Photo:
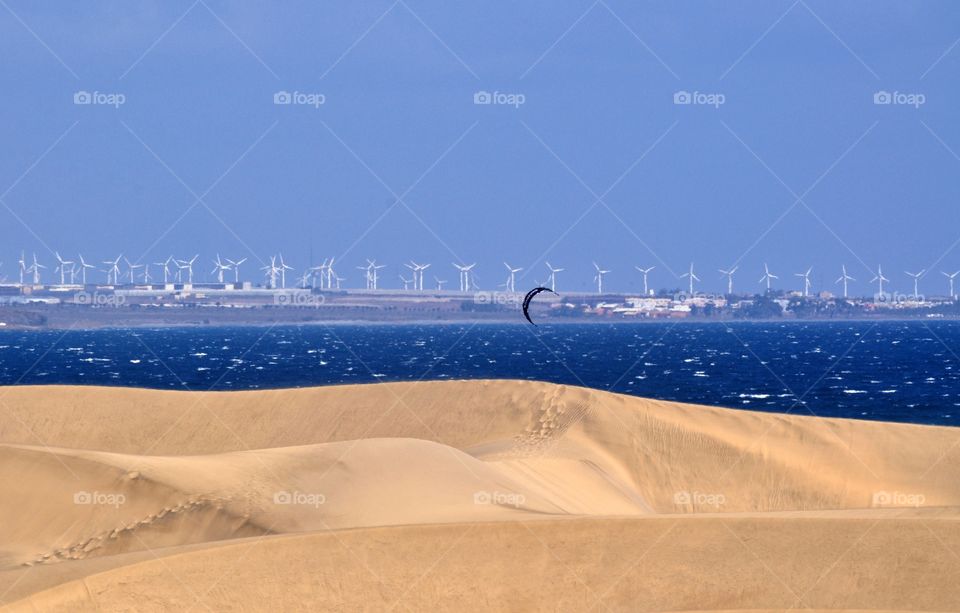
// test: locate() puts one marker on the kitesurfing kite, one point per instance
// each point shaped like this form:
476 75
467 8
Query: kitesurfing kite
530 295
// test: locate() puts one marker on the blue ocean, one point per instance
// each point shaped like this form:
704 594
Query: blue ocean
890 371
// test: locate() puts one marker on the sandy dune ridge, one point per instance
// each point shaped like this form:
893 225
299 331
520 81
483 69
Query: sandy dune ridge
463 495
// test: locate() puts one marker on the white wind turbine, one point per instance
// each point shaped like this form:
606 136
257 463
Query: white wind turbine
283 272
880 279
599 278
146 274
729 275
553 276
132 270
35 269
439 283
645 272
321 272
806 281
692 276
465 275
417 273
23 266
305 278
271 272
83 269
767 276
236 268
219 267
113 272
950 277
407 282
63 267
844 278
916 281
511 284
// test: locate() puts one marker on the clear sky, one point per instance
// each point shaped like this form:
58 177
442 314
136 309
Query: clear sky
783 157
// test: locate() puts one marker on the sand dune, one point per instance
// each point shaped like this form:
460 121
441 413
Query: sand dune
532 496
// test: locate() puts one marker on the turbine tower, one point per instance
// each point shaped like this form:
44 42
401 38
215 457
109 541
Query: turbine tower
511 285
35 269
729 275
113 271
692 276
844 278
271 272
283 272
553 276
950 277
439 284
645 272
806 281
916 281
407 282
767 276
599 277
23 267
880 279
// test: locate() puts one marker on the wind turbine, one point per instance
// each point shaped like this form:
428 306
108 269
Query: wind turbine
511 279
464 275
271 272
880 279
407 282
132 269
691 276
439 284
83 269
916 281
62 267
767 276
146 273
645 272
599 278
236 268
950 277
36 270
305 278
553 276
844 277
114 271
23 267
219 267
729 275
283 272
806 281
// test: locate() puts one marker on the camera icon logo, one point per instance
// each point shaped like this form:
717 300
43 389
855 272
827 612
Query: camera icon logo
282 97
82 298
682 498
482 498
682 97
282 498
82 97
482 97
82 497
882 97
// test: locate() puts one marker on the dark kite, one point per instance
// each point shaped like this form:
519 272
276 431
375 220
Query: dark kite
530 295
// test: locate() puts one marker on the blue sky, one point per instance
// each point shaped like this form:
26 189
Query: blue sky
797 167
